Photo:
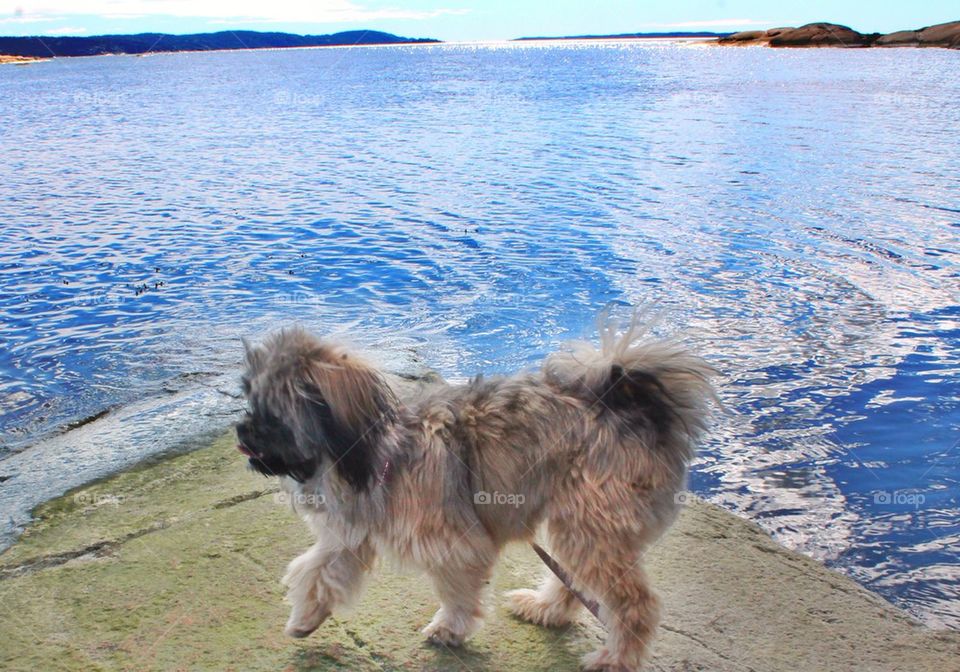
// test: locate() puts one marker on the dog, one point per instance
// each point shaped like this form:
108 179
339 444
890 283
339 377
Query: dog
593 447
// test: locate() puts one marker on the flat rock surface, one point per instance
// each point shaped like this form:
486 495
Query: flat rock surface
176 566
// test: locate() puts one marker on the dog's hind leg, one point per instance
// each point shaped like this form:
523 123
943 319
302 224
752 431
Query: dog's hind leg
631 612
327 576
552 605
461 592
605 561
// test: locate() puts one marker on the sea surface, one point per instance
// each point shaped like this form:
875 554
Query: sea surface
793 215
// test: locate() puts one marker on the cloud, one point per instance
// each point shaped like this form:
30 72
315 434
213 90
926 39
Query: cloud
290 11
24 18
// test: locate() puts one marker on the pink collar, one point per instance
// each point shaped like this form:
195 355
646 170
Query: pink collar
384 474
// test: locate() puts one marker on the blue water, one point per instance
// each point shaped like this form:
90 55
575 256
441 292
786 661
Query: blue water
796 214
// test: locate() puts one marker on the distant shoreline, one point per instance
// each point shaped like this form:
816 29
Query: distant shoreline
20 60
229 40
31 49
945 35
25 60
627 36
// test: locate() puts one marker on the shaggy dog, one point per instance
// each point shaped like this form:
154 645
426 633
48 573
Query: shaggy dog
595 446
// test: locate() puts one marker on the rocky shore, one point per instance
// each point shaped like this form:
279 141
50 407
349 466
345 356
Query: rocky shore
176 565
6 58
945 35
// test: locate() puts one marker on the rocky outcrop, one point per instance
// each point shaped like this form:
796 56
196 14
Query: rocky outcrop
834 35
821 35
175 565
941 35
901 38
810 35
745 36
748 38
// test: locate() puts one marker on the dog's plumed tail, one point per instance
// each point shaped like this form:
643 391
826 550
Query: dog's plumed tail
648 385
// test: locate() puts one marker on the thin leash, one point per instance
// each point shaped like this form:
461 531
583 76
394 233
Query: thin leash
559 572
591 605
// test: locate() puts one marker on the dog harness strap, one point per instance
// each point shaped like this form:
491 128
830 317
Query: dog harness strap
555 567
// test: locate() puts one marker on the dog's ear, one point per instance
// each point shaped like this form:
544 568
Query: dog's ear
346 410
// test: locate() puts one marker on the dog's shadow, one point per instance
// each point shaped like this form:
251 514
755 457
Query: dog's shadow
519 645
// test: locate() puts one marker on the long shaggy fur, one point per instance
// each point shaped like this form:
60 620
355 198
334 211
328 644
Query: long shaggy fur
594 447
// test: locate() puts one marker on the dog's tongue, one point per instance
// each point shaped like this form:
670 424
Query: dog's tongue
246 451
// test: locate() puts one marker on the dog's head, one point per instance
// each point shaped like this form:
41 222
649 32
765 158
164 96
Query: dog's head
313 405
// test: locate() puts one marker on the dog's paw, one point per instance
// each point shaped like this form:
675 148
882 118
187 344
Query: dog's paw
439 634
527 604
298 633
301 625
602 660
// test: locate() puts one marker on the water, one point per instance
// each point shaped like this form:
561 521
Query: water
795 213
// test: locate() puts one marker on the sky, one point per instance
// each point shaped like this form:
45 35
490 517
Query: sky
459 20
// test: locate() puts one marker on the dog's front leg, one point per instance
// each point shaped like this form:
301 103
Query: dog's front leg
461 592
325 577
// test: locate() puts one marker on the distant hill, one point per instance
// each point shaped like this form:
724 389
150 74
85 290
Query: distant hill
627 36
151 42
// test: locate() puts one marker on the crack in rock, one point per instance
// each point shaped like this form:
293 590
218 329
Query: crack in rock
97 550
694 638
244 497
